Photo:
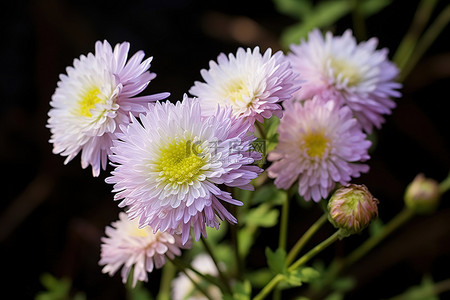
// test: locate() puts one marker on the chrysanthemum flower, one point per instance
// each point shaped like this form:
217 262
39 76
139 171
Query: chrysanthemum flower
93 98
319 144
128 246
169 166
251 83
184 289
336 67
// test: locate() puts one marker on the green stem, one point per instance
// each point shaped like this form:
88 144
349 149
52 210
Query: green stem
444 185
409 41
222 276
168 273
182 266
197 286
427 39
359 26
438 288
314 251
301 261
305 238
400 219
261 130
284 224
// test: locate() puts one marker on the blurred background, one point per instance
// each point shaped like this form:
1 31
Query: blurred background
53 215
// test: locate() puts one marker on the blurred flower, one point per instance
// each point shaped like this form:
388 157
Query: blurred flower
339 69
422 195
93 98
184 289
251 83
128 246
168 169
319 144
352 207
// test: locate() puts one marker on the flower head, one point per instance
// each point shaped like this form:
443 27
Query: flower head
319 144
352 208
128 246
251 83
422 195
93 98
169 166
183 288
337 68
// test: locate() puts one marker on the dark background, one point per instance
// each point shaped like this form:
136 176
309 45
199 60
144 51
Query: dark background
52 216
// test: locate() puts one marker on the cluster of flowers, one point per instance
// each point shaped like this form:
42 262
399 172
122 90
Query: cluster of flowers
329 92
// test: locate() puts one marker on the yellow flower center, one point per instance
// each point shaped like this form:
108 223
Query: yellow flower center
347 70
88 101
139 232
180 162
315 144
237 91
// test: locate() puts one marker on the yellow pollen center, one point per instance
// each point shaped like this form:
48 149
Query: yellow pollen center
315 144
139 232
237 91
347 70
180 162
88 101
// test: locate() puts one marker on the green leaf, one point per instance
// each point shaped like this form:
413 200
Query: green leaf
293 8
262 216
371 7
246 237
269 194
424 291
242 290
276 260
335 296
138 292
55 288
343 284
260 278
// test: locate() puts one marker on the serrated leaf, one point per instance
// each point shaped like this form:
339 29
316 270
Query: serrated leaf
276 260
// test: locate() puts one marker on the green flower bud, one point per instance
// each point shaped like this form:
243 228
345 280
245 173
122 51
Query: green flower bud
351 208
422 195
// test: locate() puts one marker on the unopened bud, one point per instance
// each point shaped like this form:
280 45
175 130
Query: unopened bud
351 208
422 195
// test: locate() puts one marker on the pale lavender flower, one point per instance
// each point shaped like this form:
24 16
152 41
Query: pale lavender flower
93 98
320 144
127 246
169 166
358 75
251 83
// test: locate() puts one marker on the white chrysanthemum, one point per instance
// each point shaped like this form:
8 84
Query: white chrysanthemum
184 289
170 164
251 83
337 68
320 144
93 98
128 246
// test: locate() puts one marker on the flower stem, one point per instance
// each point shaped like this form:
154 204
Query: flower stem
445 185
400 219
301 261
359 25
222 276
197 286
409 41
168 272
284 224
305 238
183 267
426 40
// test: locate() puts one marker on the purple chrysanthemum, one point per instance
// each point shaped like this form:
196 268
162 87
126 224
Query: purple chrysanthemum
128 246
336 67
251 83
95 97
319 144
169 166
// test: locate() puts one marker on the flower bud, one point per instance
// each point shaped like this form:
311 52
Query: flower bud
351 208
422 195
